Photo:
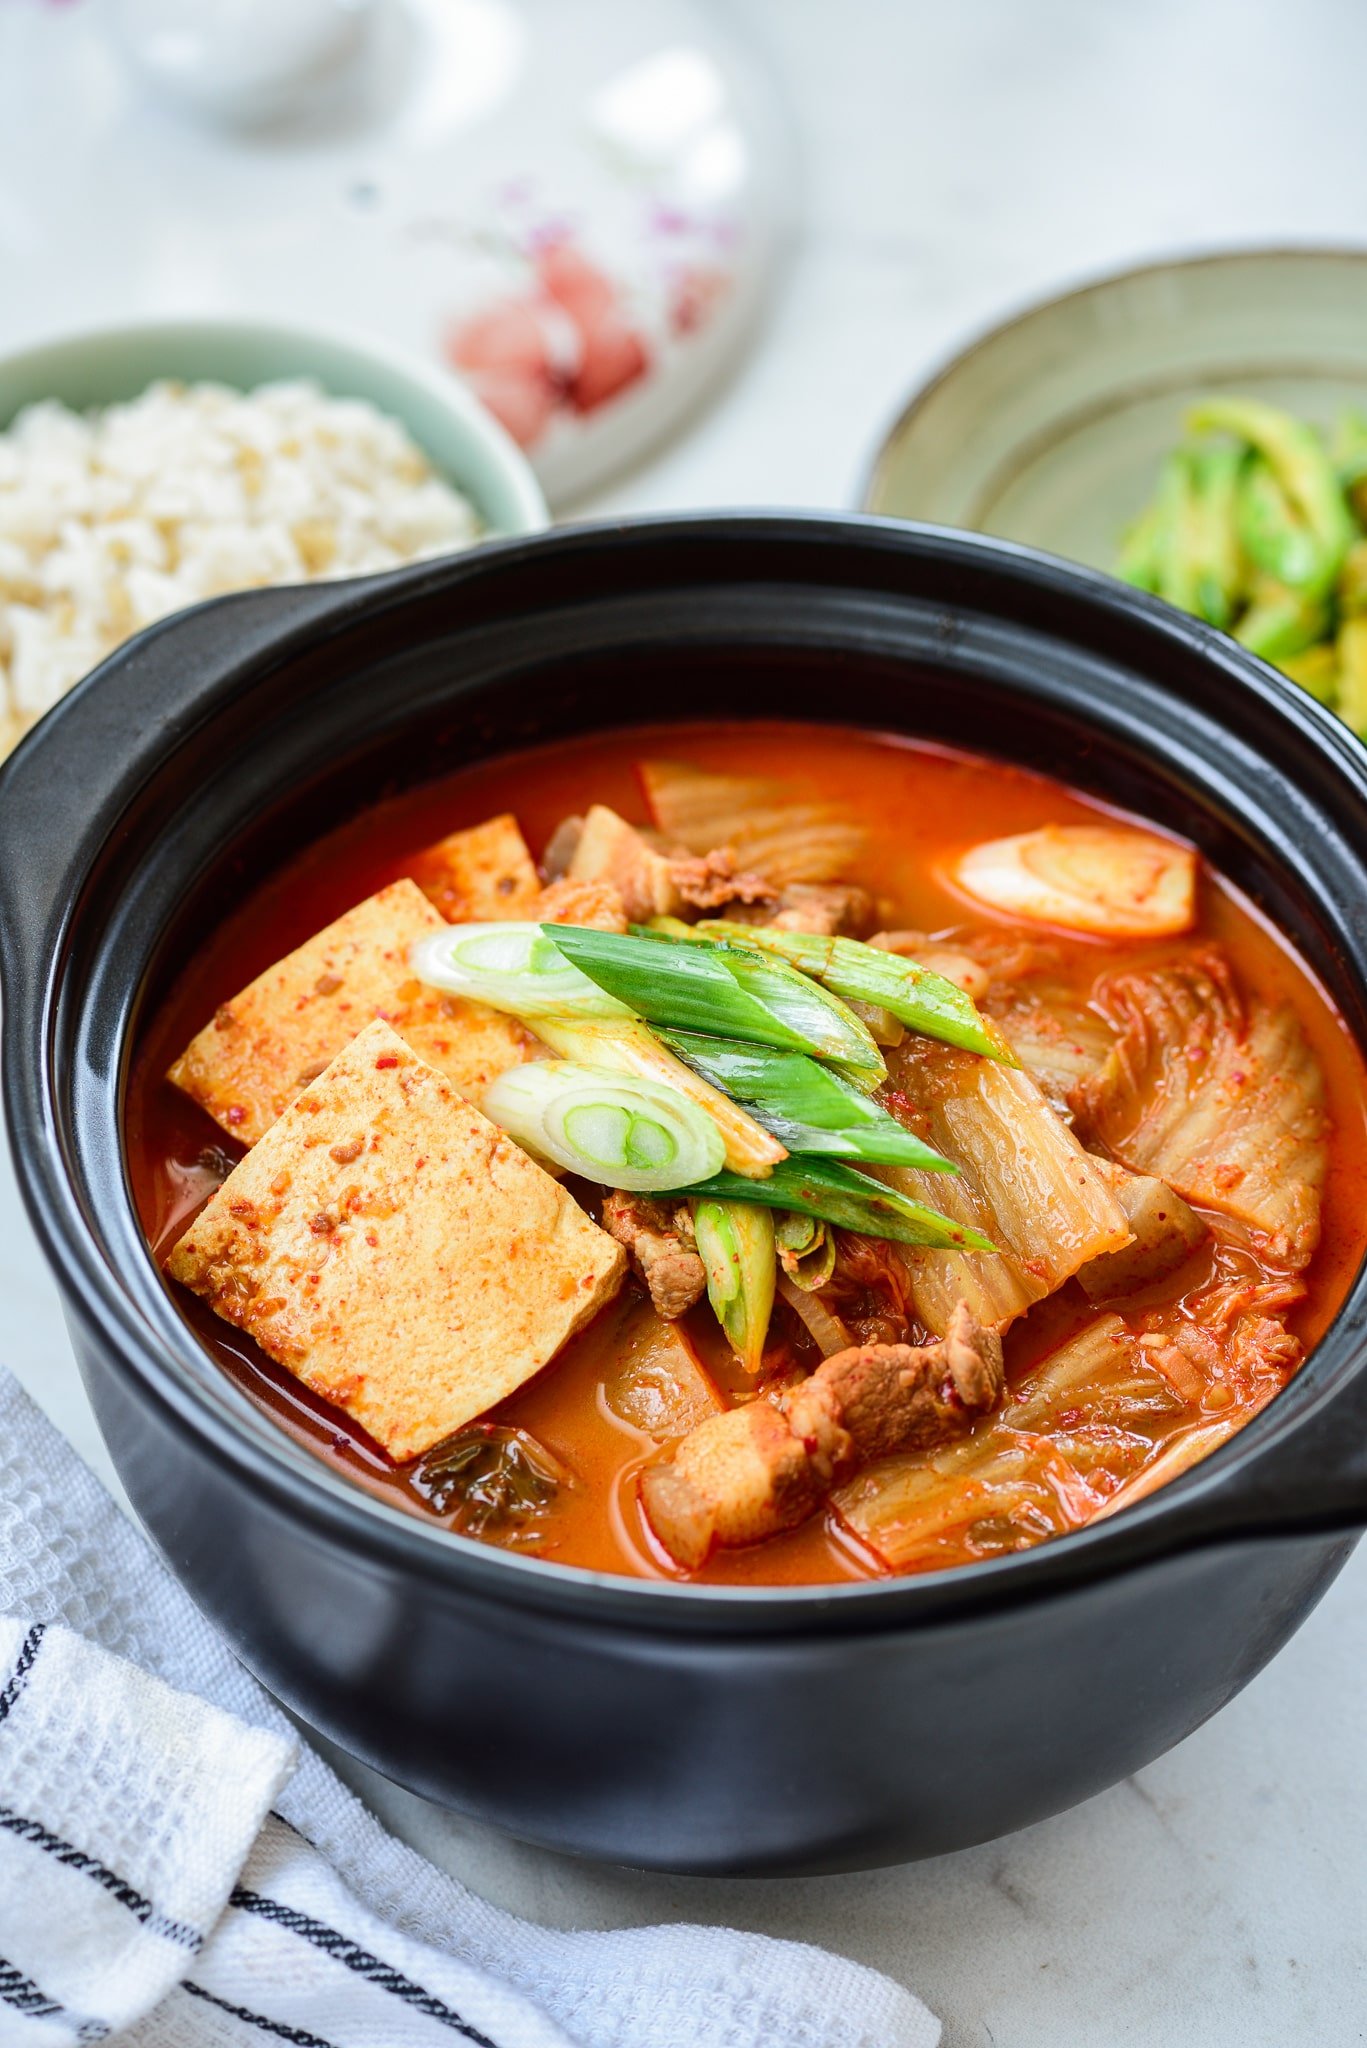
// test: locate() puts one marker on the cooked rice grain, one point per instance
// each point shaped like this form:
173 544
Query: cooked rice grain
111 519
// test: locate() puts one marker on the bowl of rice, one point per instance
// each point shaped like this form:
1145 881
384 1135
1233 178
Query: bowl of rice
150 467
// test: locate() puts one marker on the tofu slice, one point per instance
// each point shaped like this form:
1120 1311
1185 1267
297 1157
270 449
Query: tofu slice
274 1037
482 875
396 1251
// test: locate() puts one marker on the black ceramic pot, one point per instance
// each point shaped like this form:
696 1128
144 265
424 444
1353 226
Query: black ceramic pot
721 1730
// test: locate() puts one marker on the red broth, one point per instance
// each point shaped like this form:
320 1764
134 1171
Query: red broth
919 806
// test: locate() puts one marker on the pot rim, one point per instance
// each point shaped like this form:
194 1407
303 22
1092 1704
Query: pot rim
1201 1505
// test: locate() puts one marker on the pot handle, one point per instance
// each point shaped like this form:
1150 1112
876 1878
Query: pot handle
65 786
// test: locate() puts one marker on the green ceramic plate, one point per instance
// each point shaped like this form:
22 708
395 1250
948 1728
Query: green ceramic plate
1050 429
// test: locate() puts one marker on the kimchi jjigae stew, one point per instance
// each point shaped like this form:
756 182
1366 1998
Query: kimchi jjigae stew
753 1154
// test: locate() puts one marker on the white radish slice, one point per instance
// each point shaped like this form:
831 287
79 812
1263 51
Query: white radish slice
1101 879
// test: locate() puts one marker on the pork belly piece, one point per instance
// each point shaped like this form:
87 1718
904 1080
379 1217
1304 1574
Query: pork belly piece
1166 1230
1223 1100
657 1383
1024 1180
558 851
482 875
652 883
597 905
754 1471
659 1240
280 1032
609 850
774 830
712 881
395 1251
834 910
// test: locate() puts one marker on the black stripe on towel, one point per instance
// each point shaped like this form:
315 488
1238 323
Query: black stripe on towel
300 2036
298 1833
23 1664
349 1953
117 1887
24 1995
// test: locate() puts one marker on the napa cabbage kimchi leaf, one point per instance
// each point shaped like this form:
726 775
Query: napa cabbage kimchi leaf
774 830
1221 1098
1024 1181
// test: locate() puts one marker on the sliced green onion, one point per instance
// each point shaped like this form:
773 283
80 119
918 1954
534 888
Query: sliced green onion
796 1234
627 1046
736 1245
806 1250
726 991
851 1200
808 1107
615 1129
512 967
929 1003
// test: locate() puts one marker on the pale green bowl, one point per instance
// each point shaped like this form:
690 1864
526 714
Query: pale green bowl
1050 429
461 440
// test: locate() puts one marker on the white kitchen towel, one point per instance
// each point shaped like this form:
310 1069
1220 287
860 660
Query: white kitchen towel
159 1856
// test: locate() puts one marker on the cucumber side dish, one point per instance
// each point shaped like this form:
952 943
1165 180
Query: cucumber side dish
1259 526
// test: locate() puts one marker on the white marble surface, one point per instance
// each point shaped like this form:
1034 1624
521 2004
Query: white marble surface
960 159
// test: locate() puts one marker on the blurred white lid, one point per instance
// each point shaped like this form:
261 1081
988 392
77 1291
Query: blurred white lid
575 204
